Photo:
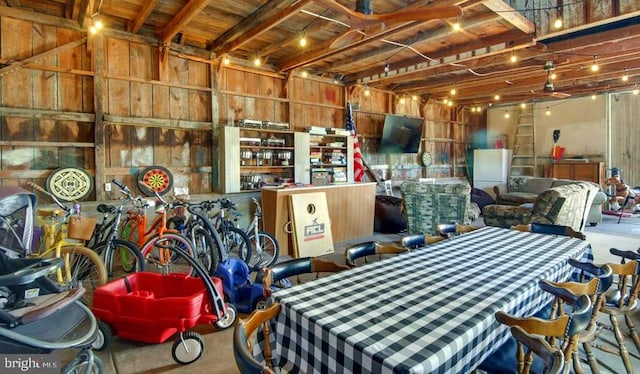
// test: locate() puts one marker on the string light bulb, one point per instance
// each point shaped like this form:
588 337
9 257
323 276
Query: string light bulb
402 100
366 91
513 58
450 103
523 105
453 90
414 97
594 66
305 74
497 97
635 89
507 115
625 76
303 40
548 112
593 97
473 109
478 109
257 61
96 26
553 76
456 25
557 24
445 101
226 60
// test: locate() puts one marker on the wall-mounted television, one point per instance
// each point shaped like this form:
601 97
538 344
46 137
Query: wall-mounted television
401 134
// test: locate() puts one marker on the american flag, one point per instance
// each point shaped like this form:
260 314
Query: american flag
358 166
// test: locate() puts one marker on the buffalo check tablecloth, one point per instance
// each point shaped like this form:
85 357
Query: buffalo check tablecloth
427 311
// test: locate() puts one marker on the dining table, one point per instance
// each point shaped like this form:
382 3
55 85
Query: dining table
430 310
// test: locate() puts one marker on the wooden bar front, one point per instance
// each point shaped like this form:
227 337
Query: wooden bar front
351 209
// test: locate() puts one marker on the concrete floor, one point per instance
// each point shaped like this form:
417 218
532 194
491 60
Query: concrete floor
132 357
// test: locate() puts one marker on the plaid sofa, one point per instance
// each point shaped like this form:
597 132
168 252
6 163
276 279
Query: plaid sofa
566 205
426 205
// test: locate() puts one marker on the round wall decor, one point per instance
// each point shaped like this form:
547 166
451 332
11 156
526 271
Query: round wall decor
69 184
426 158
157 178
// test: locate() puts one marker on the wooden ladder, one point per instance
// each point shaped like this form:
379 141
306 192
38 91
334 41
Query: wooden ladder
524 159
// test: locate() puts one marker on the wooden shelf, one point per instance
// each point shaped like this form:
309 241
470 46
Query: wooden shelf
265 167
267 147
261 130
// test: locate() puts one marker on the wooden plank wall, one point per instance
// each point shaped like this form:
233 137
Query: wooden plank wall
625 142
158 108
33 143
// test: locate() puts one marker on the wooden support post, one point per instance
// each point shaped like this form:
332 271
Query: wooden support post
216 126
97 42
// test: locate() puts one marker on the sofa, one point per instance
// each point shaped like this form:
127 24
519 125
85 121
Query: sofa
426 205
565 204
525 190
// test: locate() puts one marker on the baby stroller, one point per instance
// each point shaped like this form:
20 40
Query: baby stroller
37 317
17 228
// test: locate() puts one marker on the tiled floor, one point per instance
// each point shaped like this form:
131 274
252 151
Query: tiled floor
131 357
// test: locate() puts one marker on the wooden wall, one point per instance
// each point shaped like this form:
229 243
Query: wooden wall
115 104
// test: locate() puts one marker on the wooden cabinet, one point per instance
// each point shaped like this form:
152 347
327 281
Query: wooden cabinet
330 159
582 171
255 156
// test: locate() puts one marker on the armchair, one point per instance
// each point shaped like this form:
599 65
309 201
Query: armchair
426 205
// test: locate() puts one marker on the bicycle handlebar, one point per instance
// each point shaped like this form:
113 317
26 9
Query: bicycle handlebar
68 210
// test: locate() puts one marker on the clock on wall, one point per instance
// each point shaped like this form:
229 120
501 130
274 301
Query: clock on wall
426 158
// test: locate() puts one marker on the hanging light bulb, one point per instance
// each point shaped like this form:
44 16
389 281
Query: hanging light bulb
514 58
445 101
456 26
548 112
507 115
594 66
593 97
450 103
523 105
414 97
303 40
497 97
93 29
226 60
558 22
386 68
366 91
257 61
305 74
553 76
453 90
478 109
635 89
99 25
625 76
402 100
473 109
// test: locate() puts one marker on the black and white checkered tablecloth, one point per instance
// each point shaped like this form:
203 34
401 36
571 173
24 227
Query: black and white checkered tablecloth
427 311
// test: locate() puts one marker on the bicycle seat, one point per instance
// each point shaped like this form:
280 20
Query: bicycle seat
50 212
104 208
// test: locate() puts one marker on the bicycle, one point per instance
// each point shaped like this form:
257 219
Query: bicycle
62 238
157 242
236 242
264 246
118 254
206 239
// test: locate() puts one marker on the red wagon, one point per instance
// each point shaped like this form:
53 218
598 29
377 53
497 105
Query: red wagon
150 307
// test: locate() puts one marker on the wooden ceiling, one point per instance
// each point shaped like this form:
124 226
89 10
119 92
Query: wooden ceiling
424 58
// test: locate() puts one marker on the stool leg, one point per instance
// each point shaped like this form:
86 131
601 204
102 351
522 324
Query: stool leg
633 332
624 354
595 369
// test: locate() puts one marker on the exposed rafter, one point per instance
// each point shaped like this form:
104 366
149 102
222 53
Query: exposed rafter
186 14
145 12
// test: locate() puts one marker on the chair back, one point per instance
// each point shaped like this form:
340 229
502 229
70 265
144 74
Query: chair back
447 230
362 250
628 285
243 335
297 266
414 241
544 228
552 357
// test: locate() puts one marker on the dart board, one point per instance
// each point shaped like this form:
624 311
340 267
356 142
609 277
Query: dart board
69 184
155 178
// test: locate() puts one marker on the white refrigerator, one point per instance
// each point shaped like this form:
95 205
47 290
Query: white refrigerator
490 168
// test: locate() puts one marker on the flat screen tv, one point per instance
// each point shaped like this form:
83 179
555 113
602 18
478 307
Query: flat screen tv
401 134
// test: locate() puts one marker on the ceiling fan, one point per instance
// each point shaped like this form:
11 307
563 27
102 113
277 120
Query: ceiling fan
548 87
363 17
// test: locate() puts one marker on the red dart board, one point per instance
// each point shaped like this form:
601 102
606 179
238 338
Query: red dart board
157 178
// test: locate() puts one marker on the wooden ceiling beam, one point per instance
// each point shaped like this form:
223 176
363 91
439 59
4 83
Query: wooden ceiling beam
255 21
135 24
256 30
186 14
510 15
40 18
324 50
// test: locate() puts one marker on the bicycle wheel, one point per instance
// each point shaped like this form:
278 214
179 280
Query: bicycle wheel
121 257
129 230
86 269
264 250
160 257
236 243
79 365
206 250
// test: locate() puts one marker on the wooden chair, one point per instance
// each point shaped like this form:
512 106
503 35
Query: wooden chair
552 357
623 302
414 241
298 266
566 326
601 281
362 250
543 228
245 332
447 230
